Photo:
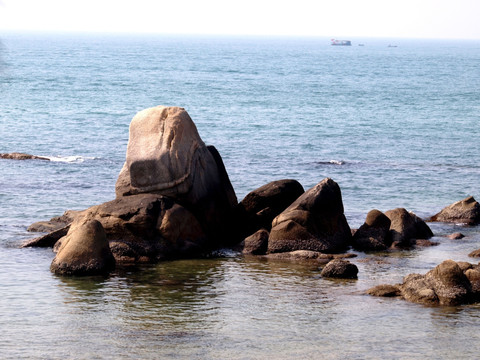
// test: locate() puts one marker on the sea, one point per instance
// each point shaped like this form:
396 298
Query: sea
394 122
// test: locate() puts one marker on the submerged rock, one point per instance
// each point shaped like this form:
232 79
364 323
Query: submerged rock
465 211
22 156
456 236
385 291
315 221
84 251
307 255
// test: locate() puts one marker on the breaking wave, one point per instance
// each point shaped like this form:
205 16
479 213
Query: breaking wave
70 159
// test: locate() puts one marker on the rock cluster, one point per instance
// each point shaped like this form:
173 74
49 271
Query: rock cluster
395 228
450 283
174 200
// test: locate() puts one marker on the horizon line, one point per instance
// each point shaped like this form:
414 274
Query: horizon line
206 34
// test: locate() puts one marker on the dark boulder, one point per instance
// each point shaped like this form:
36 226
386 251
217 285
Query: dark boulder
47 240
374 234
148 228
256 244
339 268
262 205
315 221
406 228
465 211
56 222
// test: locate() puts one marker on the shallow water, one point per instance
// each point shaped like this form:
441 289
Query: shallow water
230 307
394 127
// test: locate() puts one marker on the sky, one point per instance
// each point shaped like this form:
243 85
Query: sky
443 19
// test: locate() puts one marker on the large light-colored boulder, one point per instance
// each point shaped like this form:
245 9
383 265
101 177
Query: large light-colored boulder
315 221
84 250
165 155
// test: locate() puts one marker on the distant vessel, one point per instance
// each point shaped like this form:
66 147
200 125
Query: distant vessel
341 42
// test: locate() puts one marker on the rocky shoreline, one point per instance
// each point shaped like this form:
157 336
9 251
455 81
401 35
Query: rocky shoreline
174 200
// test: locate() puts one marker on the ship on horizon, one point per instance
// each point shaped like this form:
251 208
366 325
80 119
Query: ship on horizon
341 42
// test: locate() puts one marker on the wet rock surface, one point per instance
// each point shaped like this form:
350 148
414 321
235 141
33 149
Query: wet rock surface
465 211
450 283
315 221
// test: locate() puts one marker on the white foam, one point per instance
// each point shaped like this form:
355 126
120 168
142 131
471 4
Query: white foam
69 159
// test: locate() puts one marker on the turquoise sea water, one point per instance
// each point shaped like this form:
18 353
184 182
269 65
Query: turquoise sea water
394 127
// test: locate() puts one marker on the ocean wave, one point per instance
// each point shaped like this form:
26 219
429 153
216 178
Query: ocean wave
70 159
331 162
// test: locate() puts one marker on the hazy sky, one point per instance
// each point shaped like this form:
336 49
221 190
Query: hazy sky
331 18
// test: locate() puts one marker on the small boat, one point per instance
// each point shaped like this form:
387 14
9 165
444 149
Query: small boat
390 45
341 42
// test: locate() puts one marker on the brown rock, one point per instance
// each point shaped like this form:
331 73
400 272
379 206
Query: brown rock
305 255
385 291
374 234
315 221
406 228
84 251
256 244
475 253
22 156
456 236
148 228
55 223
339 268
449 283
262 205
465 211
47 240
425 243
416 289
473 275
